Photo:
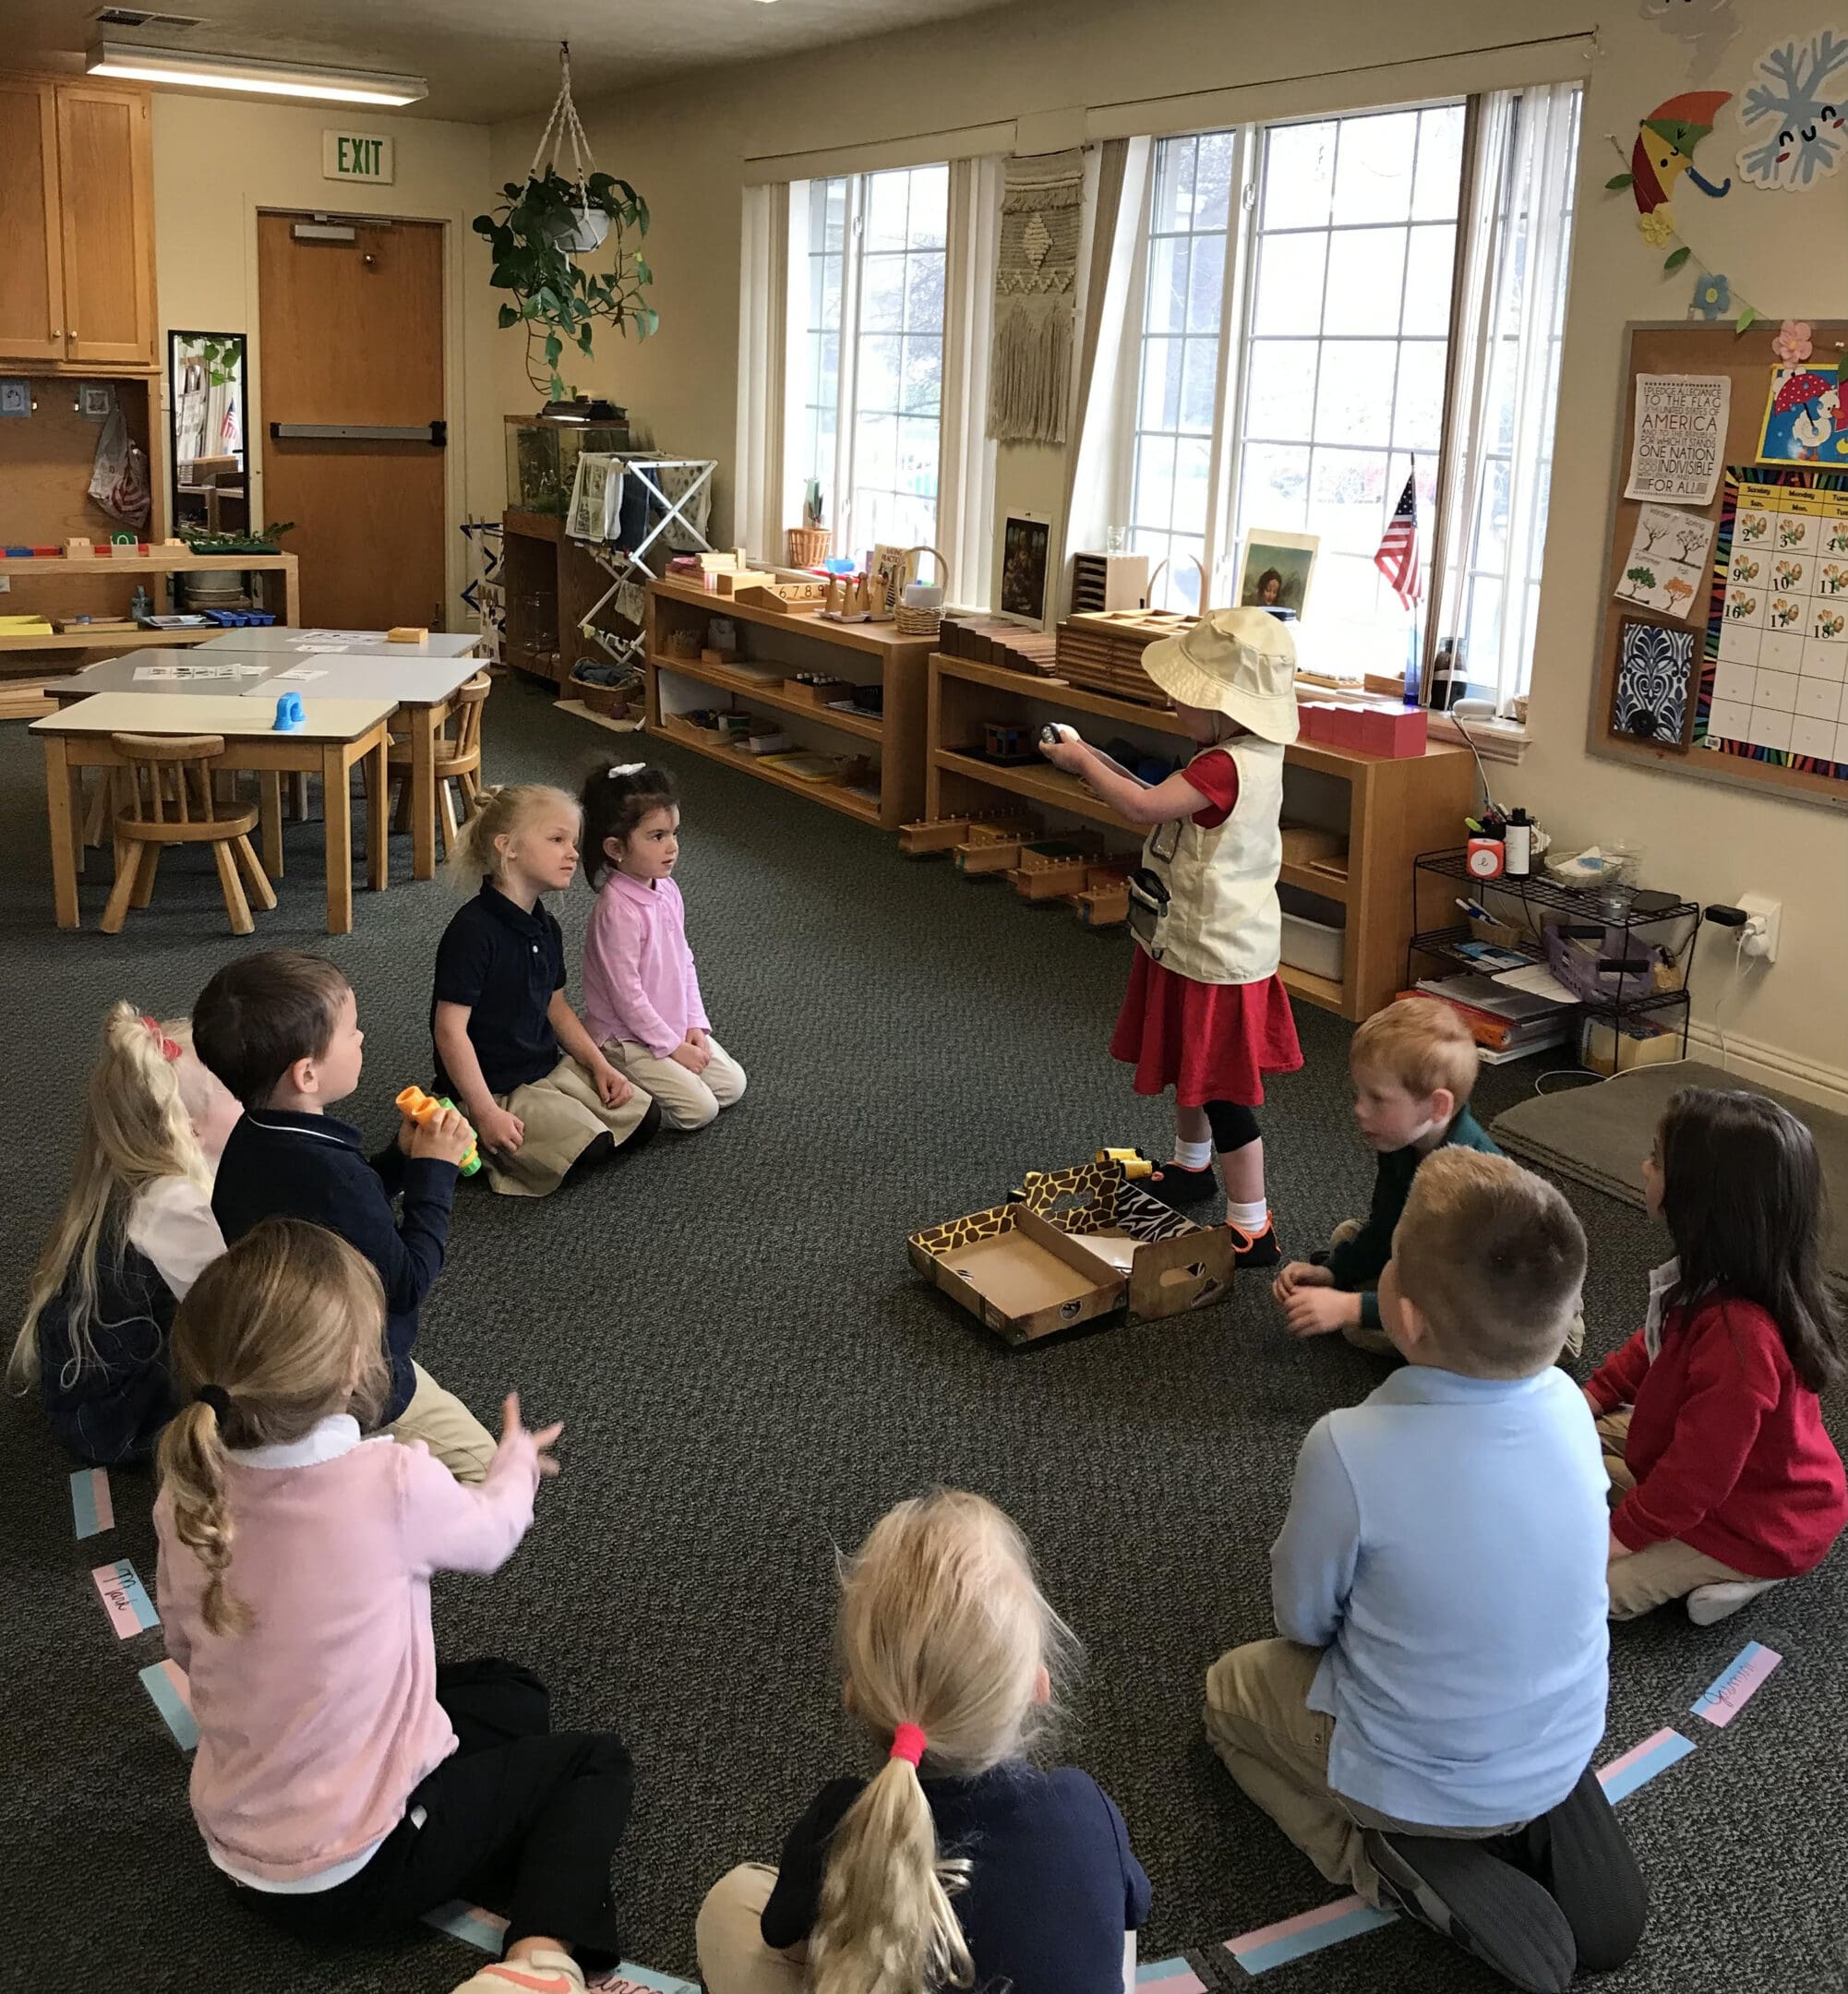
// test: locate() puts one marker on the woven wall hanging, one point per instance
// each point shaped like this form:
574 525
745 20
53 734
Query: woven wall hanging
1035 295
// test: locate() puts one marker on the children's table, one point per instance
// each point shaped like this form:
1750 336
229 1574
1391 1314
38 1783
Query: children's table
336 734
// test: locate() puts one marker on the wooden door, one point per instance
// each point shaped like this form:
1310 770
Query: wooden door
106 191
31 279
352 333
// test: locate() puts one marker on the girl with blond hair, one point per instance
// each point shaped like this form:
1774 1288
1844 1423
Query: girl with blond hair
959 1864
345 1780
135 1232
510 1052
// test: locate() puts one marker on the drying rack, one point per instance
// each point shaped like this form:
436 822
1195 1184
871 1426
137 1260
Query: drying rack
630 567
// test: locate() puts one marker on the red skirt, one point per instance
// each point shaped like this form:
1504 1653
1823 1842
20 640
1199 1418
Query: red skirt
1209 1042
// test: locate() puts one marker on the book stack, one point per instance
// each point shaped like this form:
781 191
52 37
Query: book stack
1507 1024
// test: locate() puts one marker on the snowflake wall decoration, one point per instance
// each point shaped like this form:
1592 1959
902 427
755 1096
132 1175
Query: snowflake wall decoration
1796 112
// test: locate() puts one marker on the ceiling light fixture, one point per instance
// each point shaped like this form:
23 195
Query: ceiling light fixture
144 65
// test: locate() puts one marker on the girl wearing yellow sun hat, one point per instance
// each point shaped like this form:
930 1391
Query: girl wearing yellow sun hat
1206 1014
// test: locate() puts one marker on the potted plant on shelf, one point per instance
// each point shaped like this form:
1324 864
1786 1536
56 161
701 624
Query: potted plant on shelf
541 225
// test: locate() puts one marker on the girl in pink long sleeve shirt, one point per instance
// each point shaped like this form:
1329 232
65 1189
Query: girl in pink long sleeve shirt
345 1780
641 993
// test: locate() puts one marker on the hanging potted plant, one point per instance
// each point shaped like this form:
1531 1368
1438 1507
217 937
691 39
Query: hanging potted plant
537 230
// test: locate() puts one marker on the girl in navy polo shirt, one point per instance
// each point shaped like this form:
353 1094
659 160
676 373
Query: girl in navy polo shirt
510 1050
958 1863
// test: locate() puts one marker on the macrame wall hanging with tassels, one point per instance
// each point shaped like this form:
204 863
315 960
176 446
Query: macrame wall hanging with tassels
1036 296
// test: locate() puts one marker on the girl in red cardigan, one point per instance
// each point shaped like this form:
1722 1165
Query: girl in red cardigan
1712 1429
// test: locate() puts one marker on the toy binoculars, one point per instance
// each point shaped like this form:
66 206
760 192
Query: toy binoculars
1131 1162
417 1106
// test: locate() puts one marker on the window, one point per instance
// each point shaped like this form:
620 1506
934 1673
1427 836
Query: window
868 264
1292 364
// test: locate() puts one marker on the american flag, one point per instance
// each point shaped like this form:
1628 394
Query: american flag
1398 556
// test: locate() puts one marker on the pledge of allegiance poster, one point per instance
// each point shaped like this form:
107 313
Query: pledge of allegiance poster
1680 443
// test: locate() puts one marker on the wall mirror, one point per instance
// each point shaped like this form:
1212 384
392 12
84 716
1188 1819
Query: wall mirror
209 447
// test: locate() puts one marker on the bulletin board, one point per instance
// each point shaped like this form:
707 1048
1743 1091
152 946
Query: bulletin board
1723 655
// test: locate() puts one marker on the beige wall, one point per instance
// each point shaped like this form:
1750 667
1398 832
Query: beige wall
218 161
1060 68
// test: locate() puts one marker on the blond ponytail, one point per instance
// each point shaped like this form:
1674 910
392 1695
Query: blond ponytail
275 1335
502 813
944 1629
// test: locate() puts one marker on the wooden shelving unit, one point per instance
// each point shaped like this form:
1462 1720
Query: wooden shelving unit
861 654
549 583
1387 811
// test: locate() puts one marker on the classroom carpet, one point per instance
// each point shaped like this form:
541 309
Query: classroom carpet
749 1371
1601 1135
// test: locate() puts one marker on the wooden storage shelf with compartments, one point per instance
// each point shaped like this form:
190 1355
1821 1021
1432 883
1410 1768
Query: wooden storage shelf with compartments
1377 809
771 640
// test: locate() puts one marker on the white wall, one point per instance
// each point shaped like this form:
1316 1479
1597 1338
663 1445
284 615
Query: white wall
218 161
1059 69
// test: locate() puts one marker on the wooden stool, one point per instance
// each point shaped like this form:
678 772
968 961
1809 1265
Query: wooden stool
458 762
151 761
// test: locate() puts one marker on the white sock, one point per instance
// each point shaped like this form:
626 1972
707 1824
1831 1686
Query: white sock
1194 1154
1251 1218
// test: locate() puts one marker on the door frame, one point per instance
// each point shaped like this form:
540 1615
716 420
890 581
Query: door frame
456 572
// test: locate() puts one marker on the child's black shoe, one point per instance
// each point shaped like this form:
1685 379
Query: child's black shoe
1496 1913
1256 1249
1179 1187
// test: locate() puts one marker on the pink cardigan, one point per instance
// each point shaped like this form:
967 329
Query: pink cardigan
639 978
317 1723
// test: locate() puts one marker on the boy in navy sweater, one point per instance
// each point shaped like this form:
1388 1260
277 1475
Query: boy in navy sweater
281 1030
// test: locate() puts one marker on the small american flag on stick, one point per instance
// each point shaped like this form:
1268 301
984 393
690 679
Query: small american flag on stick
1398 555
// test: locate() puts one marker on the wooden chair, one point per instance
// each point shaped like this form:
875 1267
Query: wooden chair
169 777
458 762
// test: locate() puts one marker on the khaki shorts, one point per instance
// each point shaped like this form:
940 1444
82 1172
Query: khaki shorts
564 1115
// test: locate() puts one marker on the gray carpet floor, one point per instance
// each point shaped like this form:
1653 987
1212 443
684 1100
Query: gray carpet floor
749 1371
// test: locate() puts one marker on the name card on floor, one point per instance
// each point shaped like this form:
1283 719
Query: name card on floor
1728 1694
486 1931
125 1598
92 1507
166 1683
1309 1931
1640 1764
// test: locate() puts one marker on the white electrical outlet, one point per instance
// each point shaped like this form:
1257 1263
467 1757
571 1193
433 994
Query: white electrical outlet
1764 923
6 584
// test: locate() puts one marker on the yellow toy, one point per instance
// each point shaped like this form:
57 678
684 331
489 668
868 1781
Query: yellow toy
417 1106
1131 1162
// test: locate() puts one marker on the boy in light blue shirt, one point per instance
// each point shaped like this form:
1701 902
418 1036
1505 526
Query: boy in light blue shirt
1424 1728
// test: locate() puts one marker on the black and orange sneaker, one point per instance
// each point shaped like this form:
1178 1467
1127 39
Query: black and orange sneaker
1256 1249
1179 1187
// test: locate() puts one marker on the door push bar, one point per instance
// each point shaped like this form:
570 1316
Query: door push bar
436 432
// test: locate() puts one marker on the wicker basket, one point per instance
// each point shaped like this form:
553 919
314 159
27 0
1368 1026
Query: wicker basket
609 701
919 622
805 544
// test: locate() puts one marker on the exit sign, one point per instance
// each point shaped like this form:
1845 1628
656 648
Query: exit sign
357 156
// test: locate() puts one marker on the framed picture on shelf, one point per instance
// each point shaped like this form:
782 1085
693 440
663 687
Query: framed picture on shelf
1275 569
1025 555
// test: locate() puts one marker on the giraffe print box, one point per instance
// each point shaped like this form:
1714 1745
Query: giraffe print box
1073 1246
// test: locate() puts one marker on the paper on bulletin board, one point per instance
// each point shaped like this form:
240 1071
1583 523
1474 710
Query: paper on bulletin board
1680 443
1665 570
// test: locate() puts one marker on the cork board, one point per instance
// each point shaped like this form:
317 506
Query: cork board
1657 642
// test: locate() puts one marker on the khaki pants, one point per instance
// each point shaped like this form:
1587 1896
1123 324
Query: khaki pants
1377 1340
564 1115
1660 1572
1259 1722
734 1958
447 1427
687 1100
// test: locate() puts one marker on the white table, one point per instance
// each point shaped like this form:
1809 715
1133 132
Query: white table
287 637
336 734
117 674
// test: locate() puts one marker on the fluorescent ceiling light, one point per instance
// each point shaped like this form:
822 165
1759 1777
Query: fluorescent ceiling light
144 65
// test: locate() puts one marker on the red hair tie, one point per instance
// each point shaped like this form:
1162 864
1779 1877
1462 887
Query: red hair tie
168 1048
907 1742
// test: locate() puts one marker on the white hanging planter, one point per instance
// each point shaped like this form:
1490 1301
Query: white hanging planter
588 227
586 230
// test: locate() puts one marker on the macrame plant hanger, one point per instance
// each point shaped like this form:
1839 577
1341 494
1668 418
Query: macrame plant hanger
563 126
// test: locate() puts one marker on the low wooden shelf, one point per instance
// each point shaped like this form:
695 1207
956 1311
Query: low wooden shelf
1391 806
92 568
860 653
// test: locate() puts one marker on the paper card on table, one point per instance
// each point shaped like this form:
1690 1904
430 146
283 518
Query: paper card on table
166 1683
125 1598
1640 1764
1729 1692
1666 568
92 1509
1309 1931
300 675
1680 441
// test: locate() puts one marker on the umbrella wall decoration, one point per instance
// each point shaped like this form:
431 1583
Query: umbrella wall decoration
1660 159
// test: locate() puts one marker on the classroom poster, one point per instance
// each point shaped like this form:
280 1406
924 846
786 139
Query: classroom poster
1680 444
1666 568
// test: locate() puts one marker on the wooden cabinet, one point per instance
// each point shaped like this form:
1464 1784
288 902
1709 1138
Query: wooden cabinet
76 226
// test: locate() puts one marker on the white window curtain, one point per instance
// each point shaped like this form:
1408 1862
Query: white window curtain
757 507
965 474
1509 317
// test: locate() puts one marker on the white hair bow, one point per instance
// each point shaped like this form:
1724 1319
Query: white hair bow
626 768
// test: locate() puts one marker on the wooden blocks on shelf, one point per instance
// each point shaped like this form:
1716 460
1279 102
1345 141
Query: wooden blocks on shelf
1103 650
738 582
1058 867
788 598
995 847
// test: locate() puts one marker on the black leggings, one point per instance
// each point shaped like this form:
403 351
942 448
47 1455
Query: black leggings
521 1819
1233 1127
